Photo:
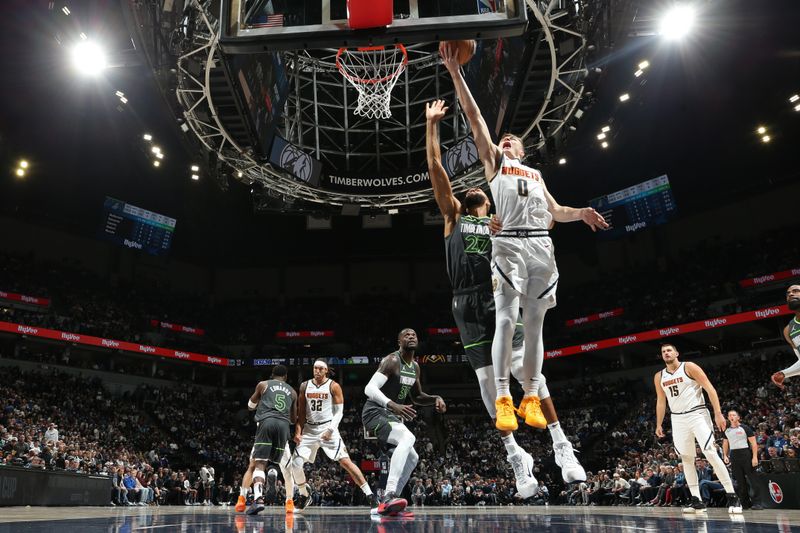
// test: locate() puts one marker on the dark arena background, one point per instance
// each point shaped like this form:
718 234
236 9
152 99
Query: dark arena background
197 194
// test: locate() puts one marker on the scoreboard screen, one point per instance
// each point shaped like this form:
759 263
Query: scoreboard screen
638 207
136 228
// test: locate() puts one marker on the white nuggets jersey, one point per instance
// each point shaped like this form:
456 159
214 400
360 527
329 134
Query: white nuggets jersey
518 192
683 393
319 402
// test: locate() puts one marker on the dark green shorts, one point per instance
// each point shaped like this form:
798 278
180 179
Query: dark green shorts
475 317
378 420
272 436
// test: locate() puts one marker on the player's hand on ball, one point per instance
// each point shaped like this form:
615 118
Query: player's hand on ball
405 412
327 435
449 57
441 407
721 423
593 219
659 432
435 111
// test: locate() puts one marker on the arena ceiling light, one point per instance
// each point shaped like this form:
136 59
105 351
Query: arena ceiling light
601 136
604 145
678 22
147 137
765 139
155 150
195 168
156 163
797 107
159 155
66 10
23 164
88 58
794 98
643 65
605 129
638 73
20 172
562 161
195 177
761 130
624 97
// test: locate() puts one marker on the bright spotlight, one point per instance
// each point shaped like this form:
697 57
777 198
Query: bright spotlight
624 97
239 174
761 130
644 64
88 58
120 94
638 73
604 145
156 163
766 139
562 161
155 150
605 129
23 164
195 168
20 172
797 107
195 177
677 22
123 100
147 137
159 155
794 98
601 136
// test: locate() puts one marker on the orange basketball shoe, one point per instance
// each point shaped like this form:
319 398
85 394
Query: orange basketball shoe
506 417
241 504
290 506
531 410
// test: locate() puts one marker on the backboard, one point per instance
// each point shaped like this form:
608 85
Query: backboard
253 26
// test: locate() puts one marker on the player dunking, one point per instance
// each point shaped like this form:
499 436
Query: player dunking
468 256
394 383
791 334
681 385
320 408
523 263
275 404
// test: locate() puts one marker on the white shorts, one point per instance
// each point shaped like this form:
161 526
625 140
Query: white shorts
690 427
334 447
527 265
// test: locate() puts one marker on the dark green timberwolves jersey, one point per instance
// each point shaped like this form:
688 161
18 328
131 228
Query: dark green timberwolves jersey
397 388
276 401
794 332
469 251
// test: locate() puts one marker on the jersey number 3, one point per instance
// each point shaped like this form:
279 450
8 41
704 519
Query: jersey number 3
316 405
522 187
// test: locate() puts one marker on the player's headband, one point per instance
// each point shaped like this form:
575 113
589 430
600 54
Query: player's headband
321 363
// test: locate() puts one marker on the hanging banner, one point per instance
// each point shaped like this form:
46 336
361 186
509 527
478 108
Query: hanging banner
769 278
24 298
191 330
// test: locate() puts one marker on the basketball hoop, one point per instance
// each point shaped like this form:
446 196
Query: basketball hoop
373 71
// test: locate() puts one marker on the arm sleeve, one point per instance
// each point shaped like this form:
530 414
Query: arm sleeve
338 412
373 389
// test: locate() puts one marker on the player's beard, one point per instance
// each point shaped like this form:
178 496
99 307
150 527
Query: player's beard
794 305
474 199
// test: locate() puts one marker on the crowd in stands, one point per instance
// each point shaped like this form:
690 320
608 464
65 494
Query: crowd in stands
706 286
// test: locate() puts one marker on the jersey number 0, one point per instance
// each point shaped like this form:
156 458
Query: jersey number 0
522 187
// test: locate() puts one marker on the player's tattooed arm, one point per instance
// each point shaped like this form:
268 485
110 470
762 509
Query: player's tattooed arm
421 398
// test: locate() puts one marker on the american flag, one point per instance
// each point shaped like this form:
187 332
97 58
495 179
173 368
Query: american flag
272 21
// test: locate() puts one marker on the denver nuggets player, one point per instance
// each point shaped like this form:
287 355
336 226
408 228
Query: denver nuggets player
523 263
681 385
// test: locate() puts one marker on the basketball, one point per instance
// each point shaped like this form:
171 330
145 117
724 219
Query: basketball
464 50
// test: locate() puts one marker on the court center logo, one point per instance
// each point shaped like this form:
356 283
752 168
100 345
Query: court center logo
775 492
296 161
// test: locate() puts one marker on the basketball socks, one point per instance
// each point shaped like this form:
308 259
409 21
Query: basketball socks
365 488
257 490
556 432
530 386
511 444
503 387
691 476
243 492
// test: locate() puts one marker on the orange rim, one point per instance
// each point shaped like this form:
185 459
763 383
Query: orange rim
355 79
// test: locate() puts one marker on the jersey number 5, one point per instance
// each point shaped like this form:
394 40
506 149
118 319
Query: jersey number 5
522 187
280 402
673 391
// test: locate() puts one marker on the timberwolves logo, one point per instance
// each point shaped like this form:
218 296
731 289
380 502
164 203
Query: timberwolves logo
296 161
775 492
461 156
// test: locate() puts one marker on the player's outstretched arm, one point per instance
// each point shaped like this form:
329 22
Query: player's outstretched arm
422 398
697 374
661 405
562 213
442 190
301 412
489 153
256 397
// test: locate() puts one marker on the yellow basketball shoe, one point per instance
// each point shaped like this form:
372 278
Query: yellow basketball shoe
531 410
506 417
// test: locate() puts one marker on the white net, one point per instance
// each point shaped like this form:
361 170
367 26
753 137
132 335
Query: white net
373 72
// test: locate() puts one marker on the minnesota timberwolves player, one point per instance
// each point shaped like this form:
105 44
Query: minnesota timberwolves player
791 334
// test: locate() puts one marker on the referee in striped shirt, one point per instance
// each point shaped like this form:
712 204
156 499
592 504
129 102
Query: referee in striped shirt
739 449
